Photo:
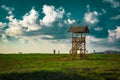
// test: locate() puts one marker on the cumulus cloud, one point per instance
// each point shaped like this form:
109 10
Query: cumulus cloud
114 3
28 23
2 24
9 9
114 34
31 25
14 30
115 17
15 27
91 17
10 18
4 38
30 20
51 14
118 32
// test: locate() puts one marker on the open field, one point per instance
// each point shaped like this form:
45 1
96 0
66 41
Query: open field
57 67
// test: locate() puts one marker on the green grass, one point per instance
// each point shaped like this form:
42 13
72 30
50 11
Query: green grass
58 67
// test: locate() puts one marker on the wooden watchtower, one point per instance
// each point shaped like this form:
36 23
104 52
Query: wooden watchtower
78 41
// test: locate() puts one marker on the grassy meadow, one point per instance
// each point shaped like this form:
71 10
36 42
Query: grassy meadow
58 67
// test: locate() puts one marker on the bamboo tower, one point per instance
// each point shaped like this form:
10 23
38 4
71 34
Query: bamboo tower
78 41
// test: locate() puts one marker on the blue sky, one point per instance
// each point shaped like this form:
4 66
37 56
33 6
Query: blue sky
40 26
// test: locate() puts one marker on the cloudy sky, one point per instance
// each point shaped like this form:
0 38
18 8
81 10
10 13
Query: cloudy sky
41 26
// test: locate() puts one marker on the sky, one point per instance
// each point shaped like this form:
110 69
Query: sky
41 26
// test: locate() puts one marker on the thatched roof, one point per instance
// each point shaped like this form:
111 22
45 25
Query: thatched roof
79 29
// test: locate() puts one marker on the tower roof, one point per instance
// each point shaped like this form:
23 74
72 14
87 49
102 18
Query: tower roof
79 29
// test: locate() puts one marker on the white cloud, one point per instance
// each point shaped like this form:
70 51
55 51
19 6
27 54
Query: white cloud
30 20
92 38
9 9
14 30
2 24
51 14
69 21
60 11
114 34
113 3
98 28
91 17
47 36
4 38
118 32
115 17
15 27
10 18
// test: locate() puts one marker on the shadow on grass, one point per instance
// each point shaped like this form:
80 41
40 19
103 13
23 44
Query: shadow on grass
42 75
50 75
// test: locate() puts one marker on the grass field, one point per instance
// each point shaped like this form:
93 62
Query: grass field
58 67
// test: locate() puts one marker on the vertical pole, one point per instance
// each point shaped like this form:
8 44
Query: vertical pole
81 45
53 51
84 43
58 52
76 42
72 43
